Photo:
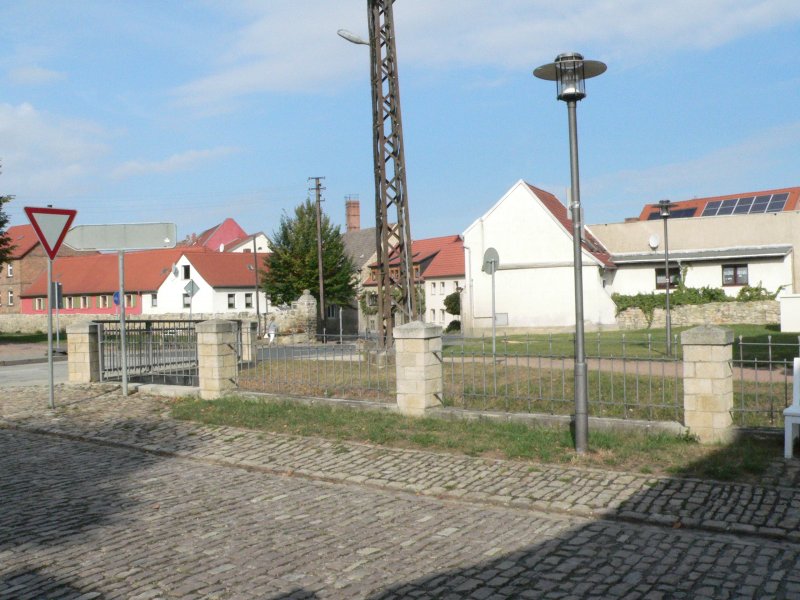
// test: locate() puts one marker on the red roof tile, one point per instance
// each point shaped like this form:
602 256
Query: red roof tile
792 202
99 273
23 239
227 269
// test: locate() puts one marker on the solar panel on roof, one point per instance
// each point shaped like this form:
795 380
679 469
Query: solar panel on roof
743 207
711 208
776 204
760 204
727 206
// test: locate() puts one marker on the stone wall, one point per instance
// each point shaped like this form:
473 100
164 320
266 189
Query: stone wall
299 318
763 312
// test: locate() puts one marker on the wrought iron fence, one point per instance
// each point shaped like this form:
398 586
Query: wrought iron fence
345 366
762 381
156 351
629 377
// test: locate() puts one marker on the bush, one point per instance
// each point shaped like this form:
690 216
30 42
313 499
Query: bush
452 326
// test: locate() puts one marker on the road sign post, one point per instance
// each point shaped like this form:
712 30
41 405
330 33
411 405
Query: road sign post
191 289
121 237
51 226
491 261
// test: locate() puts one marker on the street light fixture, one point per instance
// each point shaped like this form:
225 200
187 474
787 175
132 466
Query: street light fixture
664 209
569 71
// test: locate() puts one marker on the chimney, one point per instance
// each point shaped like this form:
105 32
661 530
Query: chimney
352 212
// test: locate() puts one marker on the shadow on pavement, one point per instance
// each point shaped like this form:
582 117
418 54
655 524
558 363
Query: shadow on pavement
19 585
53 492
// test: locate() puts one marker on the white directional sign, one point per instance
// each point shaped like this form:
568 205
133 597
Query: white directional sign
50 225
123 236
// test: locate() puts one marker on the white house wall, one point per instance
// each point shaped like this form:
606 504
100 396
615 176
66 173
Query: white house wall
534 287
772 274
207 300
436 290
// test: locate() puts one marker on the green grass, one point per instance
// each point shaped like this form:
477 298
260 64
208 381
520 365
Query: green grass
27 338
657 454
642 343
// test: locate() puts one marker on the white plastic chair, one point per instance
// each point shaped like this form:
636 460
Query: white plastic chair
791 415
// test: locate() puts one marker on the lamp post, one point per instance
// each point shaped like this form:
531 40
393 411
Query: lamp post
569 71
664 208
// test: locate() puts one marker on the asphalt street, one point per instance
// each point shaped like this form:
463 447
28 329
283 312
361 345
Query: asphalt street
36 373
83 520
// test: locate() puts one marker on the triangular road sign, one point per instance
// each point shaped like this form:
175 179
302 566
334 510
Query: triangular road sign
51 226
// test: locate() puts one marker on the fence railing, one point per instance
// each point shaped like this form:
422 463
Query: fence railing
762 382
352 369
156 351
631 379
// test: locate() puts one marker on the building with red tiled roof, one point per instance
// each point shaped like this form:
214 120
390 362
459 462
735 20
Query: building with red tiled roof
225 283
726 242
28 261
438 265
217 237
90 281
531 231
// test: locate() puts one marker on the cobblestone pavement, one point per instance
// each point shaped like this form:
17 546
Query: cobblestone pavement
154 508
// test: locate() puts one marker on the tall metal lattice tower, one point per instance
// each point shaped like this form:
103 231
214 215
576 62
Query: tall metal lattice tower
393 240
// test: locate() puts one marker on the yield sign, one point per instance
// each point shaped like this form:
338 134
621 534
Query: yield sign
51 226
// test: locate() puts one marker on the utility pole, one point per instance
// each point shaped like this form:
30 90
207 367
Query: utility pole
318 191
392 240
255 288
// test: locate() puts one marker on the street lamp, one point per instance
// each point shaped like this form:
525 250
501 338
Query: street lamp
569 71
664 208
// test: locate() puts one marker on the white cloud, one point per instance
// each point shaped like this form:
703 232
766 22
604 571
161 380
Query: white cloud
34 75
176 162
45 154
293 46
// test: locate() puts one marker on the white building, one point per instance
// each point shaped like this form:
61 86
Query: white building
534 284
225 283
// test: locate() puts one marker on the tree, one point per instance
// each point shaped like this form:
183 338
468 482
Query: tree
452 303
292 267
5 242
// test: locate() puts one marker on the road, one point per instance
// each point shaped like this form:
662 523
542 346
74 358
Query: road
83 520
32 374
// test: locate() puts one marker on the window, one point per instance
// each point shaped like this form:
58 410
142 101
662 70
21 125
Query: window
130 300
674 277
433 315
248 300
10 298
102 302
187 272
153 300
187 301
734 274
441 314
85 302
69 302
10 271
40 303
433 288
441 288
231 300
330 311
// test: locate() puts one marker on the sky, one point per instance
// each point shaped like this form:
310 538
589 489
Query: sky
191 112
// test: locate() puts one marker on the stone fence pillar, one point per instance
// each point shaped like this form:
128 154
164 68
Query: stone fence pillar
249 339
83 352
418 356
217 361
708 382
307 315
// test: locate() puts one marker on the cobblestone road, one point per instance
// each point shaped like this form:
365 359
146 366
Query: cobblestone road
107 497
85 521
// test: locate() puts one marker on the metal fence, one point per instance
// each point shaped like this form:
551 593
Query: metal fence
338 366
629 377
762 381
156 351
